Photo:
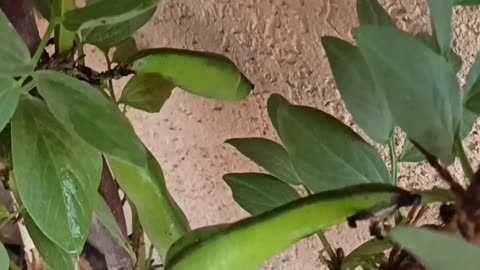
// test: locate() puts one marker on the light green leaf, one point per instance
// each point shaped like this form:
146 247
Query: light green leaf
9 96
453 58
4 259
43 7
205 74
146 92
145 188
125 50
441 18
363 99
56 173
14 54
435 195
258 193
64 39
448 252
364 251
83 109
327 154
259 237
106 13
269 155
371 12
52 254
103 214
402 66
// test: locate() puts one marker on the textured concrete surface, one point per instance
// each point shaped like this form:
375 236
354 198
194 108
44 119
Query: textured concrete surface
277 44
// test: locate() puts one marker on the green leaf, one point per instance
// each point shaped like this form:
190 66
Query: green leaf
14 54
371 12
9 96
146 92
103 214
258 193
441 17
43 7
274 102
56 174
269 155
471 96
110 35
106 13
84 110
259 237
466 2
125 50
6 147
51 253
363 252
3 213
454 59
205 74
145 188
402 66
64 39
4 259
363 99
435 195
449 252
327 154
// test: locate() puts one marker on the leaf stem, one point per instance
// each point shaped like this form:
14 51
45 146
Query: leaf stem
326 245
393 160
110 84
466 166
43 43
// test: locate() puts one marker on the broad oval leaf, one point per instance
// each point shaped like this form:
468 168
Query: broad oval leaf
258 193
146 92
453 58
420 86
371 12
273 103
201 73
145 188
52 254
448 252
105 13
327 154
260 237
4 259
9 97
83 109
269 155
56 173
14 54
441 18
363 99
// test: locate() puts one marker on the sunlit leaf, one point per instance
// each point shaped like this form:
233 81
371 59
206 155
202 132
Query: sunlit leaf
258 193
56 173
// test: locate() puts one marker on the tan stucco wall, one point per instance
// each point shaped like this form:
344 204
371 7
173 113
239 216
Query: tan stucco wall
277 44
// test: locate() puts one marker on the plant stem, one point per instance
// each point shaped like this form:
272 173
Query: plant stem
467 168
326 245
393 160
43 43
110 84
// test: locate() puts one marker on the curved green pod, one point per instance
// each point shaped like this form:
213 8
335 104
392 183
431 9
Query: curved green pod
201 73
246 244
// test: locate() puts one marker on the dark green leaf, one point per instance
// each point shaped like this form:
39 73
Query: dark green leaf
402 66
106 13
145 188
371 12
363 99
14 55
364 251
273 103
205 74
56 173
110 35
44 7
6 147
454 59
327 154
83 109
441 18
269 155
471 96
469 119
125 50
258 193
467 2
103 214
9 96
3 213
449 252
146 92
4 259
53 255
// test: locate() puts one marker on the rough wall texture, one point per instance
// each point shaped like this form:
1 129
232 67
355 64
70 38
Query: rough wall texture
277 44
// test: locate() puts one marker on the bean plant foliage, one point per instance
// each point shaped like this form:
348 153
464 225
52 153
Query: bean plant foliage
63 132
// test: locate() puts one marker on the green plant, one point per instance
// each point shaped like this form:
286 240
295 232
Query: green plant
62 133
